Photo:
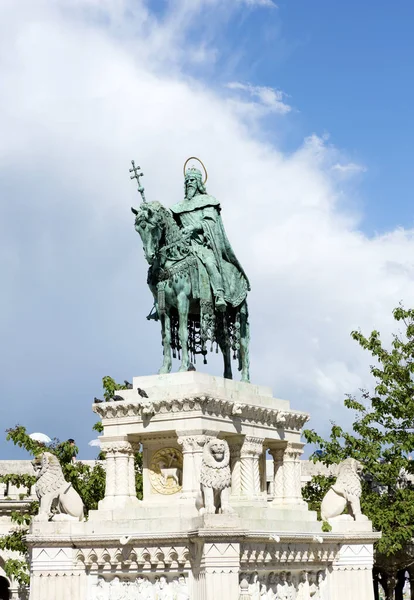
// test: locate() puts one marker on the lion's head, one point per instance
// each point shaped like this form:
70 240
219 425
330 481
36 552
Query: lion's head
215 468
48 473
216 453
348 476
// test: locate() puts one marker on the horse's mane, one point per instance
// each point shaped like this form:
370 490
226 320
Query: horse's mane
172 231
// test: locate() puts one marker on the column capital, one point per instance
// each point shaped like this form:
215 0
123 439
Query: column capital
252 446
293 450
277 452
121 446
192 442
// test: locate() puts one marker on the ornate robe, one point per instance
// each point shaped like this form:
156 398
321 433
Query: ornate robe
202 214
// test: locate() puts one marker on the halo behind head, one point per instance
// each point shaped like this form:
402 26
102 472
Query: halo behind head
201 163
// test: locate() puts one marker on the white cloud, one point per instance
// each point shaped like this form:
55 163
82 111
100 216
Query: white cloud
85 88
268 100
266 3
349 168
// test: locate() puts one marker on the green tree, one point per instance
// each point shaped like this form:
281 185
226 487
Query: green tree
382 438
89 482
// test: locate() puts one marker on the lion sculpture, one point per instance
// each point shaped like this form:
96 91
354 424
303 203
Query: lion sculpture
59 501
345 493
215 478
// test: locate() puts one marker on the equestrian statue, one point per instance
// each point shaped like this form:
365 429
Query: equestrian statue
199 286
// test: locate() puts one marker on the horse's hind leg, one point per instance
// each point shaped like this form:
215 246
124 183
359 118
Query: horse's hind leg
226 351
244 342
166 343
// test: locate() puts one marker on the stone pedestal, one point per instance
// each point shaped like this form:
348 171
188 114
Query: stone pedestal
162 546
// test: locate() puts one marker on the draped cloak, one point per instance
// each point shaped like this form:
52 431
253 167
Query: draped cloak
202 213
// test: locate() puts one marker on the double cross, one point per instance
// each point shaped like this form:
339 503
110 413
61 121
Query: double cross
137 175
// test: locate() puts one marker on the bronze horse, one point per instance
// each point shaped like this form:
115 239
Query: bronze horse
188 323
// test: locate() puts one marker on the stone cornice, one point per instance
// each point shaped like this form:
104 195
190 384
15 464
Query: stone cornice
221 407
362 537
90 540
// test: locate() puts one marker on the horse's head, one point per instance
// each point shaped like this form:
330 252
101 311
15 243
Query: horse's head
149 223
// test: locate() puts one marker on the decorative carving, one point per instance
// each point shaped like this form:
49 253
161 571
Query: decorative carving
250 452
278 485
258 555
252 447
215 478
153 557
166 471
292 473
190 443
117 447
235 469
59 501
283 585
147 408
289 420
345 493
161 587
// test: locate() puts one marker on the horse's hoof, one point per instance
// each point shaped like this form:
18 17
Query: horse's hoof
164 370
183 369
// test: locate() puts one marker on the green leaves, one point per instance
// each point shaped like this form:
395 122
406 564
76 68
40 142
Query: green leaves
315 490
110 386
382 438
17 569
88 481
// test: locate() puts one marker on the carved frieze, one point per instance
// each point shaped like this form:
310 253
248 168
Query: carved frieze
284 585
258 555
142 587
289 420
128 557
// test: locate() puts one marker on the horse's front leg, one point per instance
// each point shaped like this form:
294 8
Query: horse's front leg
183 305
166 342
244 342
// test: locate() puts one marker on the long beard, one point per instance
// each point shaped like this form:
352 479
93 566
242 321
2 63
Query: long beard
190 192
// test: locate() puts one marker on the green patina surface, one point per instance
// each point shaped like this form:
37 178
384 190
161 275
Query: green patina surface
198 284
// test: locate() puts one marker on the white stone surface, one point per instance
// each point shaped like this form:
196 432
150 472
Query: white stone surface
344 494
271 546
58 499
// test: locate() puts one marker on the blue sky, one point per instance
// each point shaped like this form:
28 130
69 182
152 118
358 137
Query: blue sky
347 70
302 113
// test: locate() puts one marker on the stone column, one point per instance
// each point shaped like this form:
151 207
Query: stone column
351 574
131 470
120 474
52 575
292 474
235 466
217 574
250 453
277 454
192 448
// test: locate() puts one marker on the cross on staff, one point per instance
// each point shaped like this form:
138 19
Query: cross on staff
137 175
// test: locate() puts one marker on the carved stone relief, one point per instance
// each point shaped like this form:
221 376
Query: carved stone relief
166 470
284 585
159 587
